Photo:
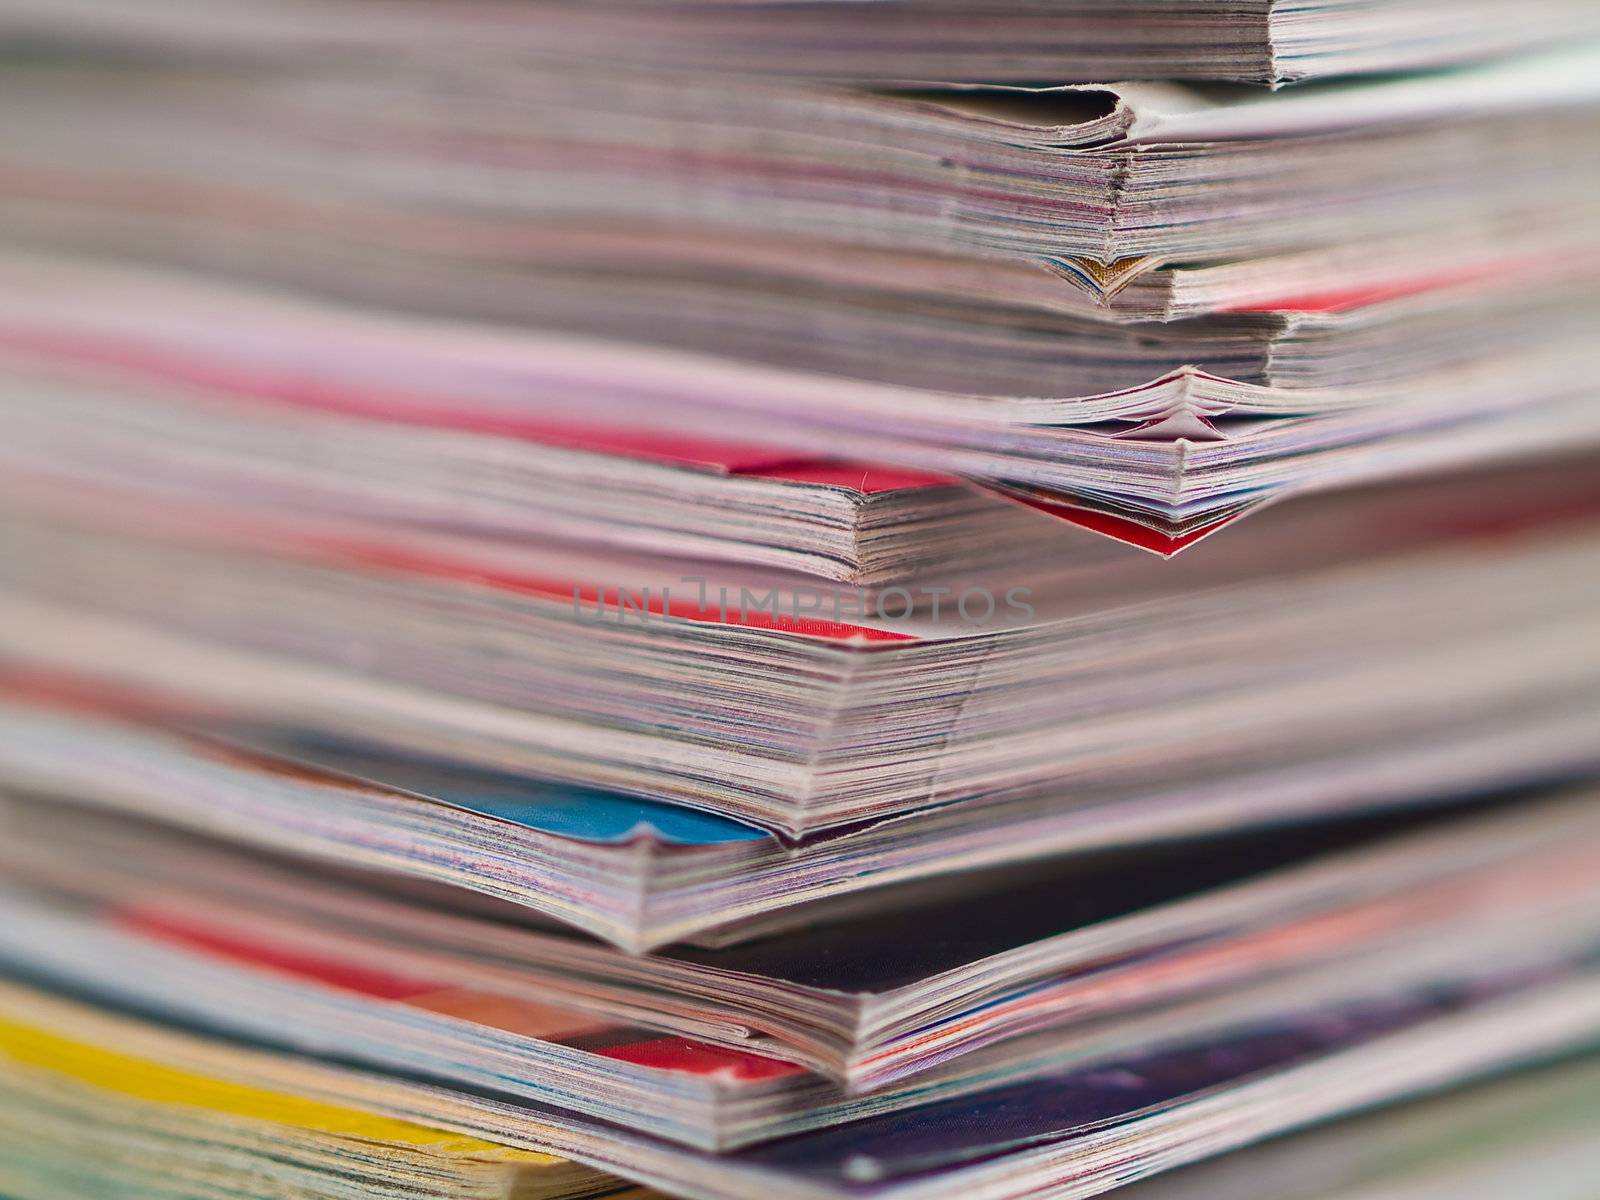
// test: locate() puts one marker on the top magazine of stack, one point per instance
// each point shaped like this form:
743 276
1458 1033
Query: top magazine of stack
1257 41
998 204
1101 178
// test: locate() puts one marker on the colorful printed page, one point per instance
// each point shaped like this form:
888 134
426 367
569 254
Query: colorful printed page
36 1049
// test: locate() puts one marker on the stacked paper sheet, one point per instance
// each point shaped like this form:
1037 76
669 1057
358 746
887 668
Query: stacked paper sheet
620 600
1263 41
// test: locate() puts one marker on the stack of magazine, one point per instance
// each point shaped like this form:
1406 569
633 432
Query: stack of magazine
892 600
